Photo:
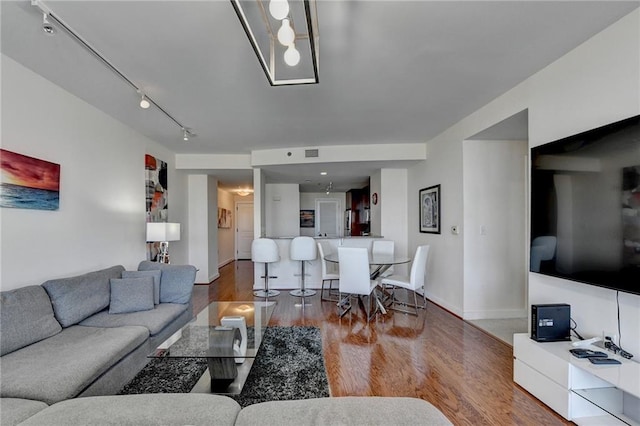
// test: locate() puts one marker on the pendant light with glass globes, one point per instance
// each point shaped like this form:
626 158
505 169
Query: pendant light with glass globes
279 9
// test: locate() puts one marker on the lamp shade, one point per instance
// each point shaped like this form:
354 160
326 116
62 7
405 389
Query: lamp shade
163 231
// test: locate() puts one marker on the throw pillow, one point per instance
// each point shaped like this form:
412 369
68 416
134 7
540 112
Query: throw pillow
156 281
131 295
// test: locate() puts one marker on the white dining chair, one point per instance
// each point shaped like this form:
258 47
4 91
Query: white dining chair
355 279
413 282
329 273
385 247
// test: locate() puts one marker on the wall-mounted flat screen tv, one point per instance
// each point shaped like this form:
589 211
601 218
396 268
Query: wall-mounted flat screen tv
585 207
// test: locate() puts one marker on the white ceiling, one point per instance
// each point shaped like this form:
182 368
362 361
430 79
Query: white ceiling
390 71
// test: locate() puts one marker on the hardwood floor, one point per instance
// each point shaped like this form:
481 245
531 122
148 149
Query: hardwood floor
438 357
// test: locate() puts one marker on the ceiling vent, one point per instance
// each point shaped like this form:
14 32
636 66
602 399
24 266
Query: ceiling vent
310 153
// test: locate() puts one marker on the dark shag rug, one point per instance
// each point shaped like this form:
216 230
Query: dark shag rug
289 365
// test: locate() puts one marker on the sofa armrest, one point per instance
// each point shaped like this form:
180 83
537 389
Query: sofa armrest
176 282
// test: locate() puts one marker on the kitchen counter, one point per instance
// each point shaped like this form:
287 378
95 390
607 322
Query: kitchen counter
287 271
329 238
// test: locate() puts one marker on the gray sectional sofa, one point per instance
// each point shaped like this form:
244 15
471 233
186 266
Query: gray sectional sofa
87 336
201 409
90 334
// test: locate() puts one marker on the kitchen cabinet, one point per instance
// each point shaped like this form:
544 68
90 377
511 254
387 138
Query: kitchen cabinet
357 202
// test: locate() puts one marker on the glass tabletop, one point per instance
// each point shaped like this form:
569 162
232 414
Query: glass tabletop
199 338
375 259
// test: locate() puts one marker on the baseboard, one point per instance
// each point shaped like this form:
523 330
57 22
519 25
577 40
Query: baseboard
443 304
226 262
495 314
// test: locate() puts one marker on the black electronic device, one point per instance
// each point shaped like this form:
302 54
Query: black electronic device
585 201
604 361
551 322
587 353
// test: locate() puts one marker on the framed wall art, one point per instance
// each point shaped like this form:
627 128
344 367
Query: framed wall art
307 218
224 218
430 209
28 183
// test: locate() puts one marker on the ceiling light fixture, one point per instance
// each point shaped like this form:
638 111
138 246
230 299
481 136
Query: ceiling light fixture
329 187
49 29
144 102
46 25
244 192
272 35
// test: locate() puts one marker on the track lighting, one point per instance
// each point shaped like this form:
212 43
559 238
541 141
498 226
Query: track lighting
144 102
46 25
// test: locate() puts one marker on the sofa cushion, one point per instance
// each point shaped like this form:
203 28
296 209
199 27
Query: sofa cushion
26 317
63 365
75 298
145 409
15 410
349 410
131 295
154 320
156 281
176 282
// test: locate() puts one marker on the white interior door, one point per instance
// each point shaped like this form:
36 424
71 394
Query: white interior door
328 218
244 229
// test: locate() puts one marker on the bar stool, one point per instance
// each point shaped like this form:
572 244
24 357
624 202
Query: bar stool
265 250
303 249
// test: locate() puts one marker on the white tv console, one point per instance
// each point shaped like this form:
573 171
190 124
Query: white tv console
579 391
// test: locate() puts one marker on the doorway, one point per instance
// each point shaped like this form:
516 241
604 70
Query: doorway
496 225
244 229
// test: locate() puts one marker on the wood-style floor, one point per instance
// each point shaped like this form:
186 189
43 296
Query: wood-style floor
438 357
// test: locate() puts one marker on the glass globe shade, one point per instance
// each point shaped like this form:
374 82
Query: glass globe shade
286 35
292 56
279 9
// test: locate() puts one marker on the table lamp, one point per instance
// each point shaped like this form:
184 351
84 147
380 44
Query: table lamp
163 232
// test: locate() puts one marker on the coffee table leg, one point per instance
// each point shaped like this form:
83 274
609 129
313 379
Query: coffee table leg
223 372
222 365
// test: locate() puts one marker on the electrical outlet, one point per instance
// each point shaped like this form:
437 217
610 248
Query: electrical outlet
614 337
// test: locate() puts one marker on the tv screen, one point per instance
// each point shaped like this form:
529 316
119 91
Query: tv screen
585 207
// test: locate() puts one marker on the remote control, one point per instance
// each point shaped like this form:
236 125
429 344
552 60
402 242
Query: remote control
587 353
603 361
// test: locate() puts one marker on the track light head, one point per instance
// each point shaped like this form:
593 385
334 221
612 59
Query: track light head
46 25
144 102
187 134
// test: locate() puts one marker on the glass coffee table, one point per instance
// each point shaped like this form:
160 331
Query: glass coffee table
228 335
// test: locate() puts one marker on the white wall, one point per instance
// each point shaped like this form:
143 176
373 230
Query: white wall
101 220
282 209
495 228
375 187
595 84
392 198
203 226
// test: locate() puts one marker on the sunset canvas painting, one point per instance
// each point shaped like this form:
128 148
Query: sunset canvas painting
28 183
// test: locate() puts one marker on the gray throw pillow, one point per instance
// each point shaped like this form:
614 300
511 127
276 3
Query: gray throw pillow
176 285
131 295
156 281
